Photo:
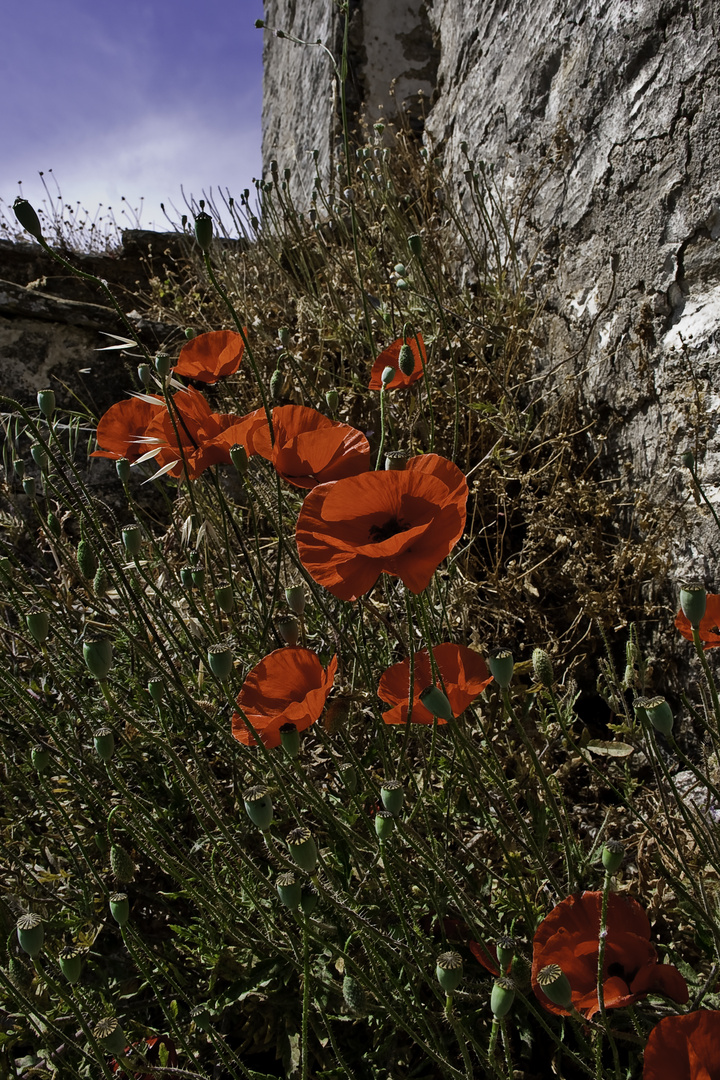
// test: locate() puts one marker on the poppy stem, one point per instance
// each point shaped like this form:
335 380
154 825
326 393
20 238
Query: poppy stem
708 674
381 446
305 1000
100 1054
602 938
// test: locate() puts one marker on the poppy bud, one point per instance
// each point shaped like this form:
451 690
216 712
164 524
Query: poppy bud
163 364
46 402
415 244
289 890
309 901
435 702
400 269
239 458
688 459
354 996
501 666
101 842
197 576
144 374
277 382
224 597
449 971
156 687
27 217
104 743
122 468
98 656
38 623
121 864
259 24
295 596
19 468
555 985
70 961
332 399
502 997
258 806
101 581
289 631
39 456
203 230
396 460
693 600
393 796
40 757
290 740
284 336
29 486
110 1035
302 848
30 933
53 525
190 333
86 559
132 537
505 952
612 855
543 668
220 661
406 360
659 714
401 284
119 907
384 824
348 775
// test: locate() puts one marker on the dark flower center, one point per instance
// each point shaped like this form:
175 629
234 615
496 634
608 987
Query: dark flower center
392 527
616 970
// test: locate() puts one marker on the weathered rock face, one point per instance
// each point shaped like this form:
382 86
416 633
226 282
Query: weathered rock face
605 112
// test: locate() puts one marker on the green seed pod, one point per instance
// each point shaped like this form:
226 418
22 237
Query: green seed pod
163 363
40 757
98 657
101 581
289 631
393 796
284 336
190 333
186 576
200 1016
290 739
354 995
203 230
332 399
543 668
348 775
30 933
396 460
401 284
70 961
220 661
659 714
156 688
415 244
46 402
613 854
27 217
38 623
29 486
302 848
110 1035
39 456
688 459
104 742
502 997
239 458
224 597
505 949
122 468
289 890
309 900
132 538
400 269
435 702
388 374
197 575
258 806
53 524
121 864
19 468
555 985
295 596
101 842
86 560
119 908
449 971
406 360
501 665
693 600
144 375
193 556
384 825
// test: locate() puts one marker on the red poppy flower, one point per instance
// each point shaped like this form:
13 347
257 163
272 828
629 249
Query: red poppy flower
389 358
684 1048
464 674
289 686
209 357
121 429
309 448
402 523
206 437
569 937
709 628
151 1053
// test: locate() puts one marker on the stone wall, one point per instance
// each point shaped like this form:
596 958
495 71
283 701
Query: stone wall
607 110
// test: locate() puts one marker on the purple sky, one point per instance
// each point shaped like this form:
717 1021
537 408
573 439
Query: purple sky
132 98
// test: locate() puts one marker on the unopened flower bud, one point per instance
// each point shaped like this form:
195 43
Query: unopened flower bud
121 864
220 661
289 890
501 665
284 336
542 667
693 600
302 848
406 360
502 997
277 383
203 230
449 971
27 217
46 402
613 854
190 333
290 740
392 794
86 559
101 581
688 459
30 933
258 806
555 984
435 702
